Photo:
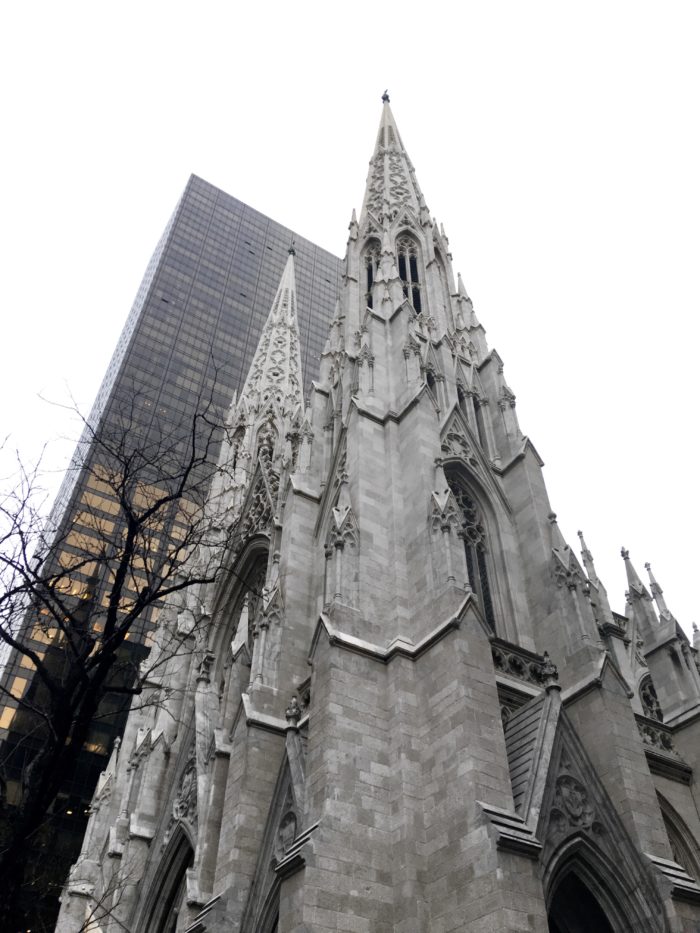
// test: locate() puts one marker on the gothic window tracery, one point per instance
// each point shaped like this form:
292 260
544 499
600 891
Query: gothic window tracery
408 260
473 534
371 262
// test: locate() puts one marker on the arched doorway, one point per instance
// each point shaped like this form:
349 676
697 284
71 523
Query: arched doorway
574 909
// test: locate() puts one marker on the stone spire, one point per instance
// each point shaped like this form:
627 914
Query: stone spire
267 415
391 182
599 598
636 587
658 595
275 374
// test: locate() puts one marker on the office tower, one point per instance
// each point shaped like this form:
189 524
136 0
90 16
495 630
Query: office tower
187 344
409 706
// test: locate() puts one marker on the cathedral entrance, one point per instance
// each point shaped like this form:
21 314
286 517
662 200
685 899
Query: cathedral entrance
575 910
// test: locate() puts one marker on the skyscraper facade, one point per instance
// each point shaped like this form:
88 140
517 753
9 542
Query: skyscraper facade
186 346
407 704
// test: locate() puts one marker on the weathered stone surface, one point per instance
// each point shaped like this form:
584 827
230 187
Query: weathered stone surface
412 708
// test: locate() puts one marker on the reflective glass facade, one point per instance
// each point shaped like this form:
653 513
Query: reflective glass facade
188 341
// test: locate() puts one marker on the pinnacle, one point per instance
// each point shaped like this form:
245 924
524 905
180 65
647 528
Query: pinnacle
635 584
657 593
275 373
391 182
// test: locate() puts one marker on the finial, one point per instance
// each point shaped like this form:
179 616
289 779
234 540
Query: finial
552 517
549 672
385 96
291 250
293 712
624 553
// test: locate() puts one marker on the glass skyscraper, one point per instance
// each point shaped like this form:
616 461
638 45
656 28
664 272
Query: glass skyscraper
187 341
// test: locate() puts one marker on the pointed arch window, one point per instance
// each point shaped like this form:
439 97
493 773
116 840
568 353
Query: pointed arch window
473 533
409 271
371 262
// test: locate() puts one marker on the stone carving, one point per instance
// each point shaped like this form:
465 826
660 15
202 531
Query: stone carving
509 659
656 736
565 568
572 808
185 805
650 701
258 517
444 513
293 712
287 831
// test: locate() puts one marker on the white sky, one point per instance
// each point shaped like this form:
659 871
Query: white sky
557 142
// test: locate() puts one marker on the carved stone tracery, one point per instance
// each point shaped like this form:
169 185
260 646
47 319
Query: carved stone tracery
573 809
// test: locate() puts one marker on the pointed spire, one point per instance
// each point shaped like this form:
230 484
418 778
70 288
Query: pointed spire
636 587
588 561
632 575
658 595
275 372
599 595
461 289
391 182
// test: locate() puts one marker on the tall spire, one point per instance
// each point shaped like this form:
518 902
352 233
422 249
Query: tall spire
391 182
275 374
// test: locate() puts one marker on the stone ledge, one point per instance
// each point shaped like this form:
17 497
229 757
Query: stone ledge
400 647
683 886
512 832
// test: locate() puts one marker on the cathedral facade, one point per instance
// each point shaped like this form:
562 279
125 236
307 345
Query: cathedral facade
406 704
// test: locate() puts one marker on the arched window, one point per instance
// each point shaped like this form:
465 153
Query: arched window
169 898
407 254
371 262
684 847
473 534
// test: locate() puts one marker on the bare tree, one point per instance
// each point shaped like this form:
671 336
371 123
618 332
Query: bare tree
78 603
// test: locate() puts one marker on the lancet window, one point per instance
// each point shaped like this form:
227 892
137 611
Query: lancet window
371 264
473 533
407 255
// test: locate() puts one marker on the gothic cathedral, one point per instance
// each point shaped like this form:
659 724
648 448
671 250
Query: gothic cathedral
406 705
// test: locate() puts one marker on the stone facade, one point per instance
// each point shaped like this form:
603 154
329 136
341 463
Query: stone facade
406 705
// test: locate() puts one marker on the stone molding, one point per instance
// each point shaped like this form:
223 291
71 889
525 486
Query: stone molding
399 647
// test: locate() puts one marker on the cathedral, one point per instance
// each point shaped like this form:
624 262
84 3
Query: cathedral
406 705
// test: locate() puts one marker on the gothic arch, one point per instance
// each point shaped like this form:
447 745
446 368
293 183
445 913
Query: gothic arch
483 549
269 919
684 846
593 887
168 888
243 579
411 269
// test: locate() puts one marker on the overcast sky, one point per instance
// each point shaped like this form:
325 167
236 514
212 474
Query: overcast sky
558 143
